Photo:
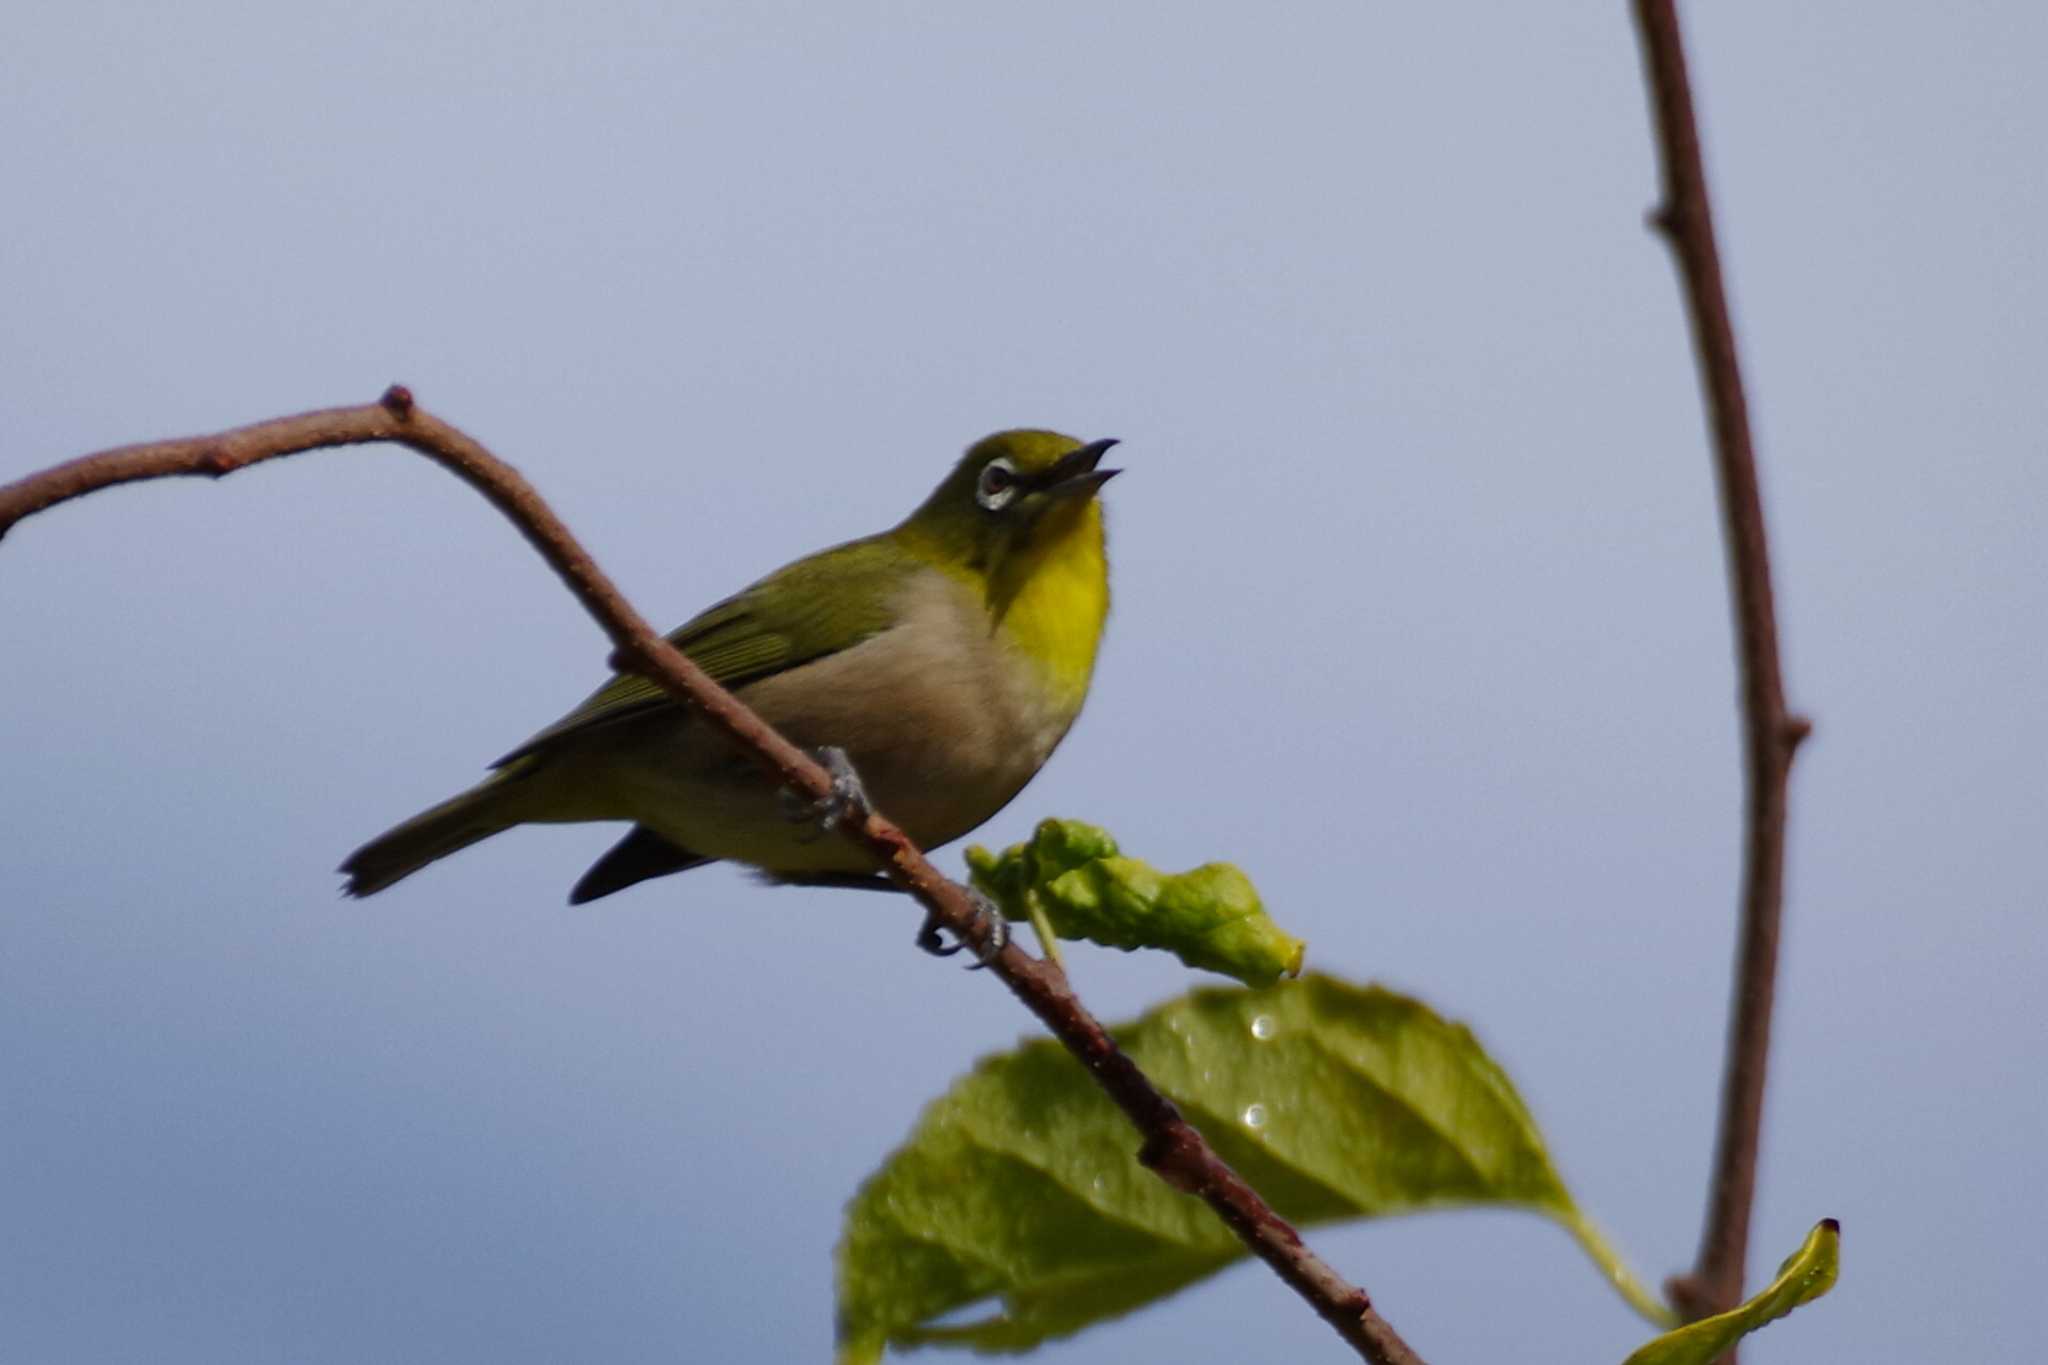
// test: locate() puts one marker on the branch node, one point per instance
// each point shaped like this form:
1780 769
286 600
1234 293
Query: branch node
1171 1153
1662 220
215 461
1794 733
397 401
1691 1297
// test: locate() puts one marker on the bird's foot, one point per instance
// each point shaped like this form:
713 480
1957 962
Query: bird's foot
932 936
847 803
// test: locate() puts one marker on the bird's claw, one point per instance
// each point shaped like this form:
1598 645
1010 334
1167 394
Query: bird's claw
932 935
848 801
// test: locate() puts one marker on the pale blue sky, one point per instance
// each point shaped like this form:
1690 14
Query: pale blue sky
1420 618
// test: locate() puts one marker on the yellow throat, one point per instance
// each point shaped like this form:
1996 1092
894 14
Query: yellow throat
1050 596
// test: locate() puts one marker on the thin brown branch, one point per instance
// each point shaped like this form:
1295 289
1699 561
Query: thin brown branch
1771 733
1172 1147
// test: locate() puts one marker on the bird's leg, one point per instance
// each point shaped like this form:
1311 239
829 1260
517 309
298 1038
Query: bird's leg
848 801
998 928
931 937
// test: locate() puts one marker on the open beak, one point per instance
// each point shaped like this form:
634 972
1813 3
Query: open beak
1075 474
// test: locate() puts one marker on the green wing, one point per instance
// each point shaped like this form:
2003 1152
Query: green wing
817 606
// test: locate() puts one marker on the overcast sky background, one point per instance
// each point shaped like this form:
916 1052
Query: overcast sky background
1420 618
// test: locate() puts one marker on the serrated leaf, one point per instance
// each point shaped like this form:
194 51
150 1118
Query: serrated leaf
1019 1184
1806 1274
1073 875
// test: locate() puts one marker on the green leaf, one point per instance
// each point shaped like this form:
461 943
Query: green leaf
1019 1184
1806 1274
1072 875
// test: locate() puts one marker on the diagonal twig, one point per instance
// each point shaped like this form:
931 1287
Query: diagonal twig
1771 732
1171 1147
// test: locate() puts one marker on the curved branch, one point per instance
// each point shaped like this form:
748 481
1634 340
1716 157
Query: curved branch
1172 1147
1771 732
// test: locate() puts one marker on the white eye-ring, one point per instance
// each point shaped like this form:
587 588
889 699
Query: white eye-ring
997 485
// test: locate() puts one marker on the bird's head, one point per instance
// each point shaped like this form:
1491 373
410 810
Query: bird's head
1013 493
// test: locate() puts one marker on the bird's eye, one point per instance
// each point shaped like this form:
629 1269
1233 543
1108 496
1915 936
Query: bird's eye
997 485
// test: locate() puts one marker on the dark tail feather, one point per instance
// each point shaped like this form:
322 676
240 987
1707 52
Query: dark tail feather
432 834
635 858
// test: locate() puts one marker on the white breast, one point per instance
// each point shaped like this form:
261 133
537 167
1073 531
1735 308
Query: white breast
943 719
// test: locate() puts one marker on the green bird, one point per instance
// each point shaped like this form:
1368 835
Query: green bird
947 658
